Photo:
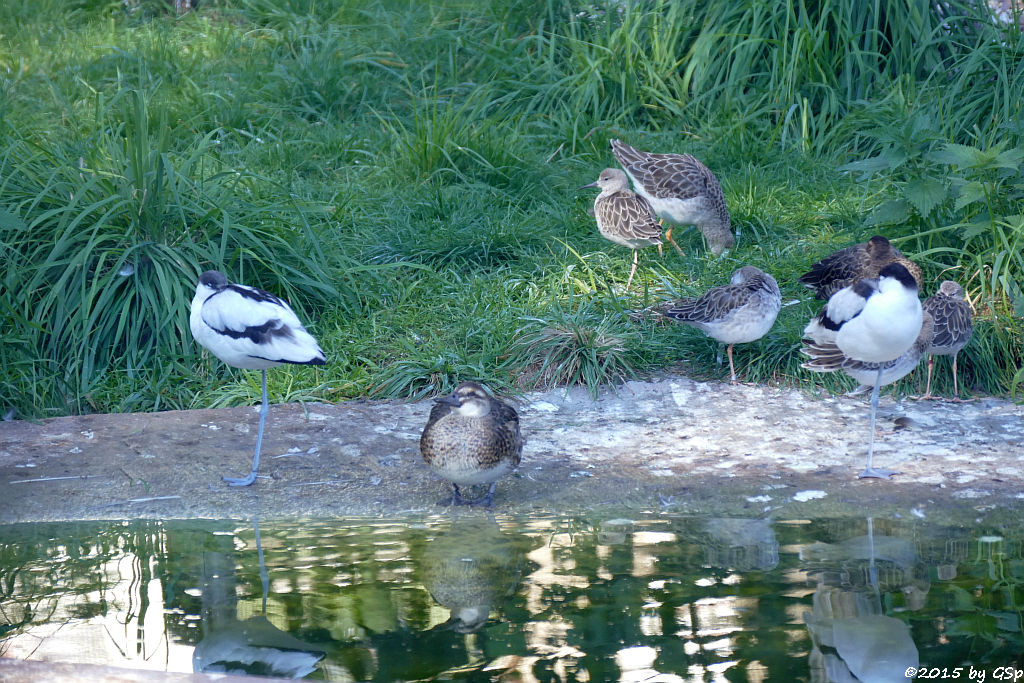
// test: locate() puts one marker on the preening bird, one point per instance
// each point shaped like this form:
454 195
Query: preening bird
741 311
953 328
845 267
681 190
251 329
872 321
472 438
828 358
623 216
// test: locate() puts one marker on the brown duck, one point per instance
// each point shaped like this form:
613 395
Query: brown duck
472 438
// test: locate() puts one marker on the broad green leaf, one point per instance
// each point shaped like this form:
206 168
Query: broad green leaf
972 230
895 157
892 211
9 221
1010 159
869 165
970 192
925 194
958 155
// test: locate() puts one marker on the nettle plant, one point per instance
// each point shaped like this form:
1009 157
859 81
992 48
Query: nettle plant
964 201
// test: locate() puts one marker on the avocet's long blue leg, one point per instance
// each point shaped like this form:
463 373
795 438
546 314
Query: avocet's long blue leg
264 575
870 471
264 409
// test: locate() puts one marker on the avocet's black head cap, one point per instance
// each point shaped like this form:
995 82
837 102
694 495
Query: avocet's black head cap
899 272
213 279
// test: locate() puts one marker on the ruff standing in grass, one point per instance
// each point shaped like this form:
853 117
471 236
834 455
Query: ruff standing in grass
741 311
953 327
248 328
623 216
872 321
846 266
681 190
471 438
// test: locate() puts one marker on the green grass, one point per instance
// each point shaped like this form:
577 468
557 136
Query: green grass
404 174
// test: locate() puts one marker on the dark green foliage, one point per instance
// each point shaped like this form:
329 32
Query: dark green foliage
404 174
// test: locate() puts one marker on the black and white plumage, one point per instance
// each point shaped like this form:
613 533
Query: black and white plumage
623 216
252 329
472 438
847 266
872 321
742 311
827 357
953 328
681 190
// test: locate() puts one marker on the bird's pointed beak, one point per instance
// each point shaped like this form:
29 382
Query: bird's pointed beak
450 400
583 187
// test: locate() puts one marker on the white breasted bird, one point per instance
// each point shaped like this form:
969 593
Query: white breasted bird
681 190
871 321
742 311
251 329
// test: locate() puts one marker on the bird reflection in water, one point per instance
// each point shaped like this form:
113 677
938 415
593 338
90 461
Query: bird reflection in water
470 568
253 646
852 639
742 544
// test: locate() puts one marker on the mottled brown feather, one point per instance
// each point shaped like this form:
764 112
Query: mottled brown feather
625 216
952 315
456 445
846 266
680 180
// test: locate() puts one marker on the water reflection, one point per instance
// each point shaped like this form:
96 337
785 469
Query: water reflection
550 597
468 568
244 646
853 640
745 544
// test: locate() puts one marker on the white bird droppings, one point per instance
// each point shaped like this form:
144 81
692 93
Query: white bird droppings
810 494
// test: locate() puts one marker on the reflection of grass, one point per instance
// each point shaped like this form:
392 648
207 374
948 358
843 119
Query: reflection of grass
404 174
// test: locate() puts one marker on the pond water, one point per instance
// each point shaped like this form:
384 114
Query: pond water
471 596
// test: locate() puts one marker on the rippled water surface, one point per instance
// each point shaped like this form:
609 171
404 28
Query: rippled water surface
476 597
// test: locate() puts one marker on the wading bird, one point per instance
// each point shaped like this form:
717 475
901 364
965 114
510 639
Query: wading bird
953 327
623 216
251 329
872 321
681 190
846 266
741 311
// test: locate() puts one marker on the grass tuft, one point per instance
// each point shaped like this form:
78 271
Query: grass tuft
581 347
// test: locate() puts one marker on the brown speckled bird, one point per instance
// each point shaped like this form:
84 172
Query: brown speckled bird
742 311
623 216
681 190
953 327
846 266
472 438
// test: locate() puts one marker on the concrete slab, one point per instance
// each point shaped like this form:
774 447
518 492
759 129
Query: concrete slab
669 443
